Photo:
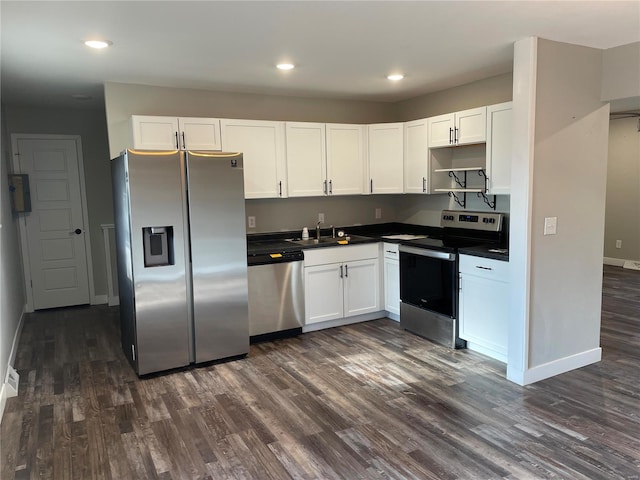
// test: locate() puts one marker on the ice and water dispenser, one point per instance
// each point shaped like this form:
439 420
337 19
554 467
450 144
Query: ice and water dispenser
158 246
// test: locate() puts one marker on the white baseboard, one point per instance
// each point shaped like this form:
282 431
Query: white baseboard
393 316
99 300
616 262
114 301
7 391
339 322
551 369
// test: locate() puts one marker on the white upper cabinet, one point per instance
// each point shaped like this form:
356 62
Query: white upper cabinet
440 130
306 159
345 159
262 144
499 141
200 133
459 128
386 158
416 157
171 133
325 159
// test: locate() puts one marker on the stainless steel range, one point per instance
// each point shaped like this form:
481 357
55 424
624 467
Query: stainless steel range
429 274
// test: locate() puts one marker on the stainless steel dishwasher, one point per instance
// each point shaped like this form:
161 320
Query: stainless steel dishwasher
276 295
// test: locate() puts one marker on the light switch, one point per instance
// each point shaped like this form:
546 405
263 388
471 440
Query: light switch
251 221
550 225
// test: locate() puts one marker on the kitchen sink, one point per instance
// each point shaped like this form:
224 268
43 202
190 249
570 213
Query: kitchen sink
328 240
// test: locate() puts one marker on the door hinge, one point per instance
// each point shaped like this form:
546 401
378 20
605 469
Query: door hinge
31 282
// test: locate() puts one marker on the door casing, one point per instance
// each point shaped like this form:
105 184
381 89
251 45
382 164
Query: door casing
15 137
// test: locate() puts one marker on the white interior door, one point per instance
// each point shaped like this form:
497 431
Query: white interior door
55 228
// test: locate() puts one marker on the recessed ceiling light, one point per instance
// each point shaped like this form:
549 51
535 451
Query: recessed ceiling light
395 77
99 44
286 66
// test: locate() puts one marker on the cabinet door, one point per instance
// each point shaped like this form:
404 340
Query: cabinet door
154 133
345 159
484 313
361 287
441 130
392 285
263 150
499 138
471 126
386 158
199 133
306 159
323 293
416 156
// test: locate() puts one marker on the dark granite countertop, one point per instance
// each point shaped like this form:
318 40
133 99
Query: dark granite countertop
288 242
487 251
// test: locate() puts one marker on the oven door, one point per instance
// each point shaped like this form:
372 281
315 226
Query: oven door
428 280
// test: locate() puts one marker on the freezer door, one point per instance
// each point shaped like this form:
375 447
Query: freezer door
157 209
218 255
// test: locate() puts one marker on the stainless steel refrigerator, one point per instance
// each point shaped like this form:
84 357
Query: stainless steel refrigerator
182 259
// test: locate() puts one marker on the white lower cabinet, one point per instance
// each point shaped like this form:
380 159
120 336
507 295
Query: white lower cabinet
484 305
323 293
391 280
341 282
361 287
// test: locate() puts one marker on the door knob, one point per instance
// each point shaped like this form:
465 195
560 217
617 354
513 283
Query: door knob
77 231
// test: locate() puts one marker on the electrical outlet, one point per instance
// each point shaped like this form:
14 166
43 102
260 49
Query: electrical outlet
618 243
378 213
251 221
550 225
321 217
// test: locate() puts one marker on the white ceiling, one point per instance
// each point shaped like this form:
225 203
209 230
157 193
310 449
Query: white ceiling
343 49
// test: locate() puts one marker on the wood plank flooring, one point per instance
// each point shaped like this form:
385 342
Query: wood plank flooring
367 401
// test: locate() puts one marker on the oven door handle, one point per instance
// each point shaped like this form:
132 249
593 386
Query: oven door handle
424 252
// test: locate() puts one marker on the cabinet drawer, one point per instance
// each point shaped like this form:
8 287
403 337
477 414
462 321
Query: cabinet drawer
484 267
343 253
390 250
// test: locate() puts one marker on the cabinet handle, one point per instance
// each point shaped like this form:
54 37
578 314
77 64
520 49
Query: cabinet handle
450 136
391 251
324 187
456 135
341 272
424 184
330 187
184 144
177 144
371 185
346 270
280 187
484 268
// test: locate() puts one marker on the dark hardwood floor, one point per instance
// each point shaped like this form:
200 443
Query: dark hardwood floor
367 401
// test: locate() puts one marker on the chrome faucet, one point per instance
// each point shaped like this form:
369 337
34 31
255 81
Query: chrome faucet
318 231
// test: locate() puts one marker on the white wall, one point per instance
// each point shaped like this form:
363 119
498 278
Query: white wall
621 77
623 191
560 172
12 298
488 91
